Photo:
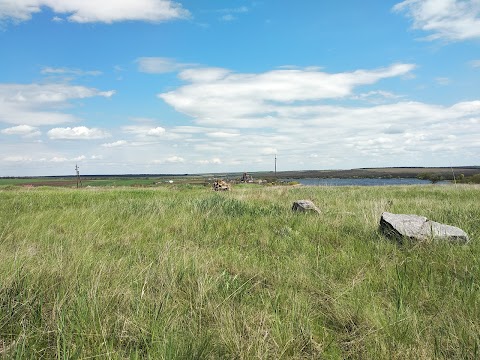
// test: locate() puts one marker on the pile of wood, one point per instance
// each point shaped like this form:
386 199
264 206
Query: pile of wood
220 185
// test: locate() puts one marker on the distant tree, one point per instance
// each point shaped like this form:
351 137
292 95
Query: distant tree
434 178
423 176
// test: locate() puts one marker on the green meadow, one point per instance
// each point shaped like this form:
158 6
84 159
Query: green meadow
182 272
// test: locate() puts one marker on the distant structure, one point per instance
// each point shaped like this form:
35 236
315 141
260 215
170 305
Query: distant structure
246 178
79 181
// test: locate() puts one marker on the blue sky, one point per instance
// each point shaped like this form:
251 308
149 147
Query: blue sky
161 86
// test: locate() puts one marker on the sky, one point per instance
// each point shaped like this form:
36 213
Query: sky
210 86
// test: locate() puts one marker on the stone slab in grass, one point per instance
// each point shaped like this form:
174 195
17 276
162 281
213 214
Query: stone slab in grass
305 206
419 228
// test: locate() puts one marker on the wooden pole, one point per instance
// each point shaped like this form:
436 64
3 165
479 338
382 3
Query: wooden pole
77 170
275 166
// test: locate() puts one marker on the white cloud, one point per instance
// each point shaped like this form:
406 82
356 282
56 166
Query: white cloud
36 104
90 11
158 131
214 161
17 158
269 151
68 71
22 130
289 114
77 133
144 131
204 75
252 100
160 65
175 160
442 80
222 135
452 20
237 10
63 159
377 96
475 64
189 130
107 94
58 159
115 144
227 17
228 13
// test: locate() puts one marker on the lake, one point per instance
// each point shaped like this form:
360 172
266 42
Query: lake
361 182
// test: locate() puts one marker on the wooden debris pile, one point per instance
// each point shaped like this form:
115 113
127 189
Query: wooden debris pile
220 185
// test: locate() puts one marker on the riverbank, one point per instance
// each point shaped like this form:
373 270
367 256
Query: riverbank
362 181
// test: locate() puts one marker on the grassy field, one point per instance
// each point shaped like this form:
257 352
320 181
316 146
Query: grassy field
100 181
181 272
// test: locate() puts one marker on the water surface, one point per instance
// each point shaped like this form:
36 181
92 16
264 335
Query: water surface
361 182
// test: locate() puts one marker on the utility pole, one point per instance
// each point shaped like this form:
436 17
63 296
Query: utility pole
77 170
275 166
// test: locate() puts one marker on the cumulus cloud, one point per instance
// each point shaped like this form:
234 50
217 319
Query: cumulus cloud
115 144
22 130
452 20
190 130
58 159
144 131
48 159
214 95
77 133
158 131
214 161
291 113
62 159
91 11
160 65
223 134
175 160
41 104
269 151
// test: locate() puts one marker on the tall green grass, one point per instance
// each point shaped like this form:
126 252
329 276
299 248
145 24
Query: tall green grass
183 272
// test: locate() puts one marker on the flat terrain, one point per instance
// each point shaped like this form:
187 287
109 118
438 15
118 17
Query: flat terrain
152 180
181 272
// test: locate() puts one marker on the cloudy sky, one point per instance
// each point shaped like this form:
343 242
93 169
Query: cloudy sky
194 86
